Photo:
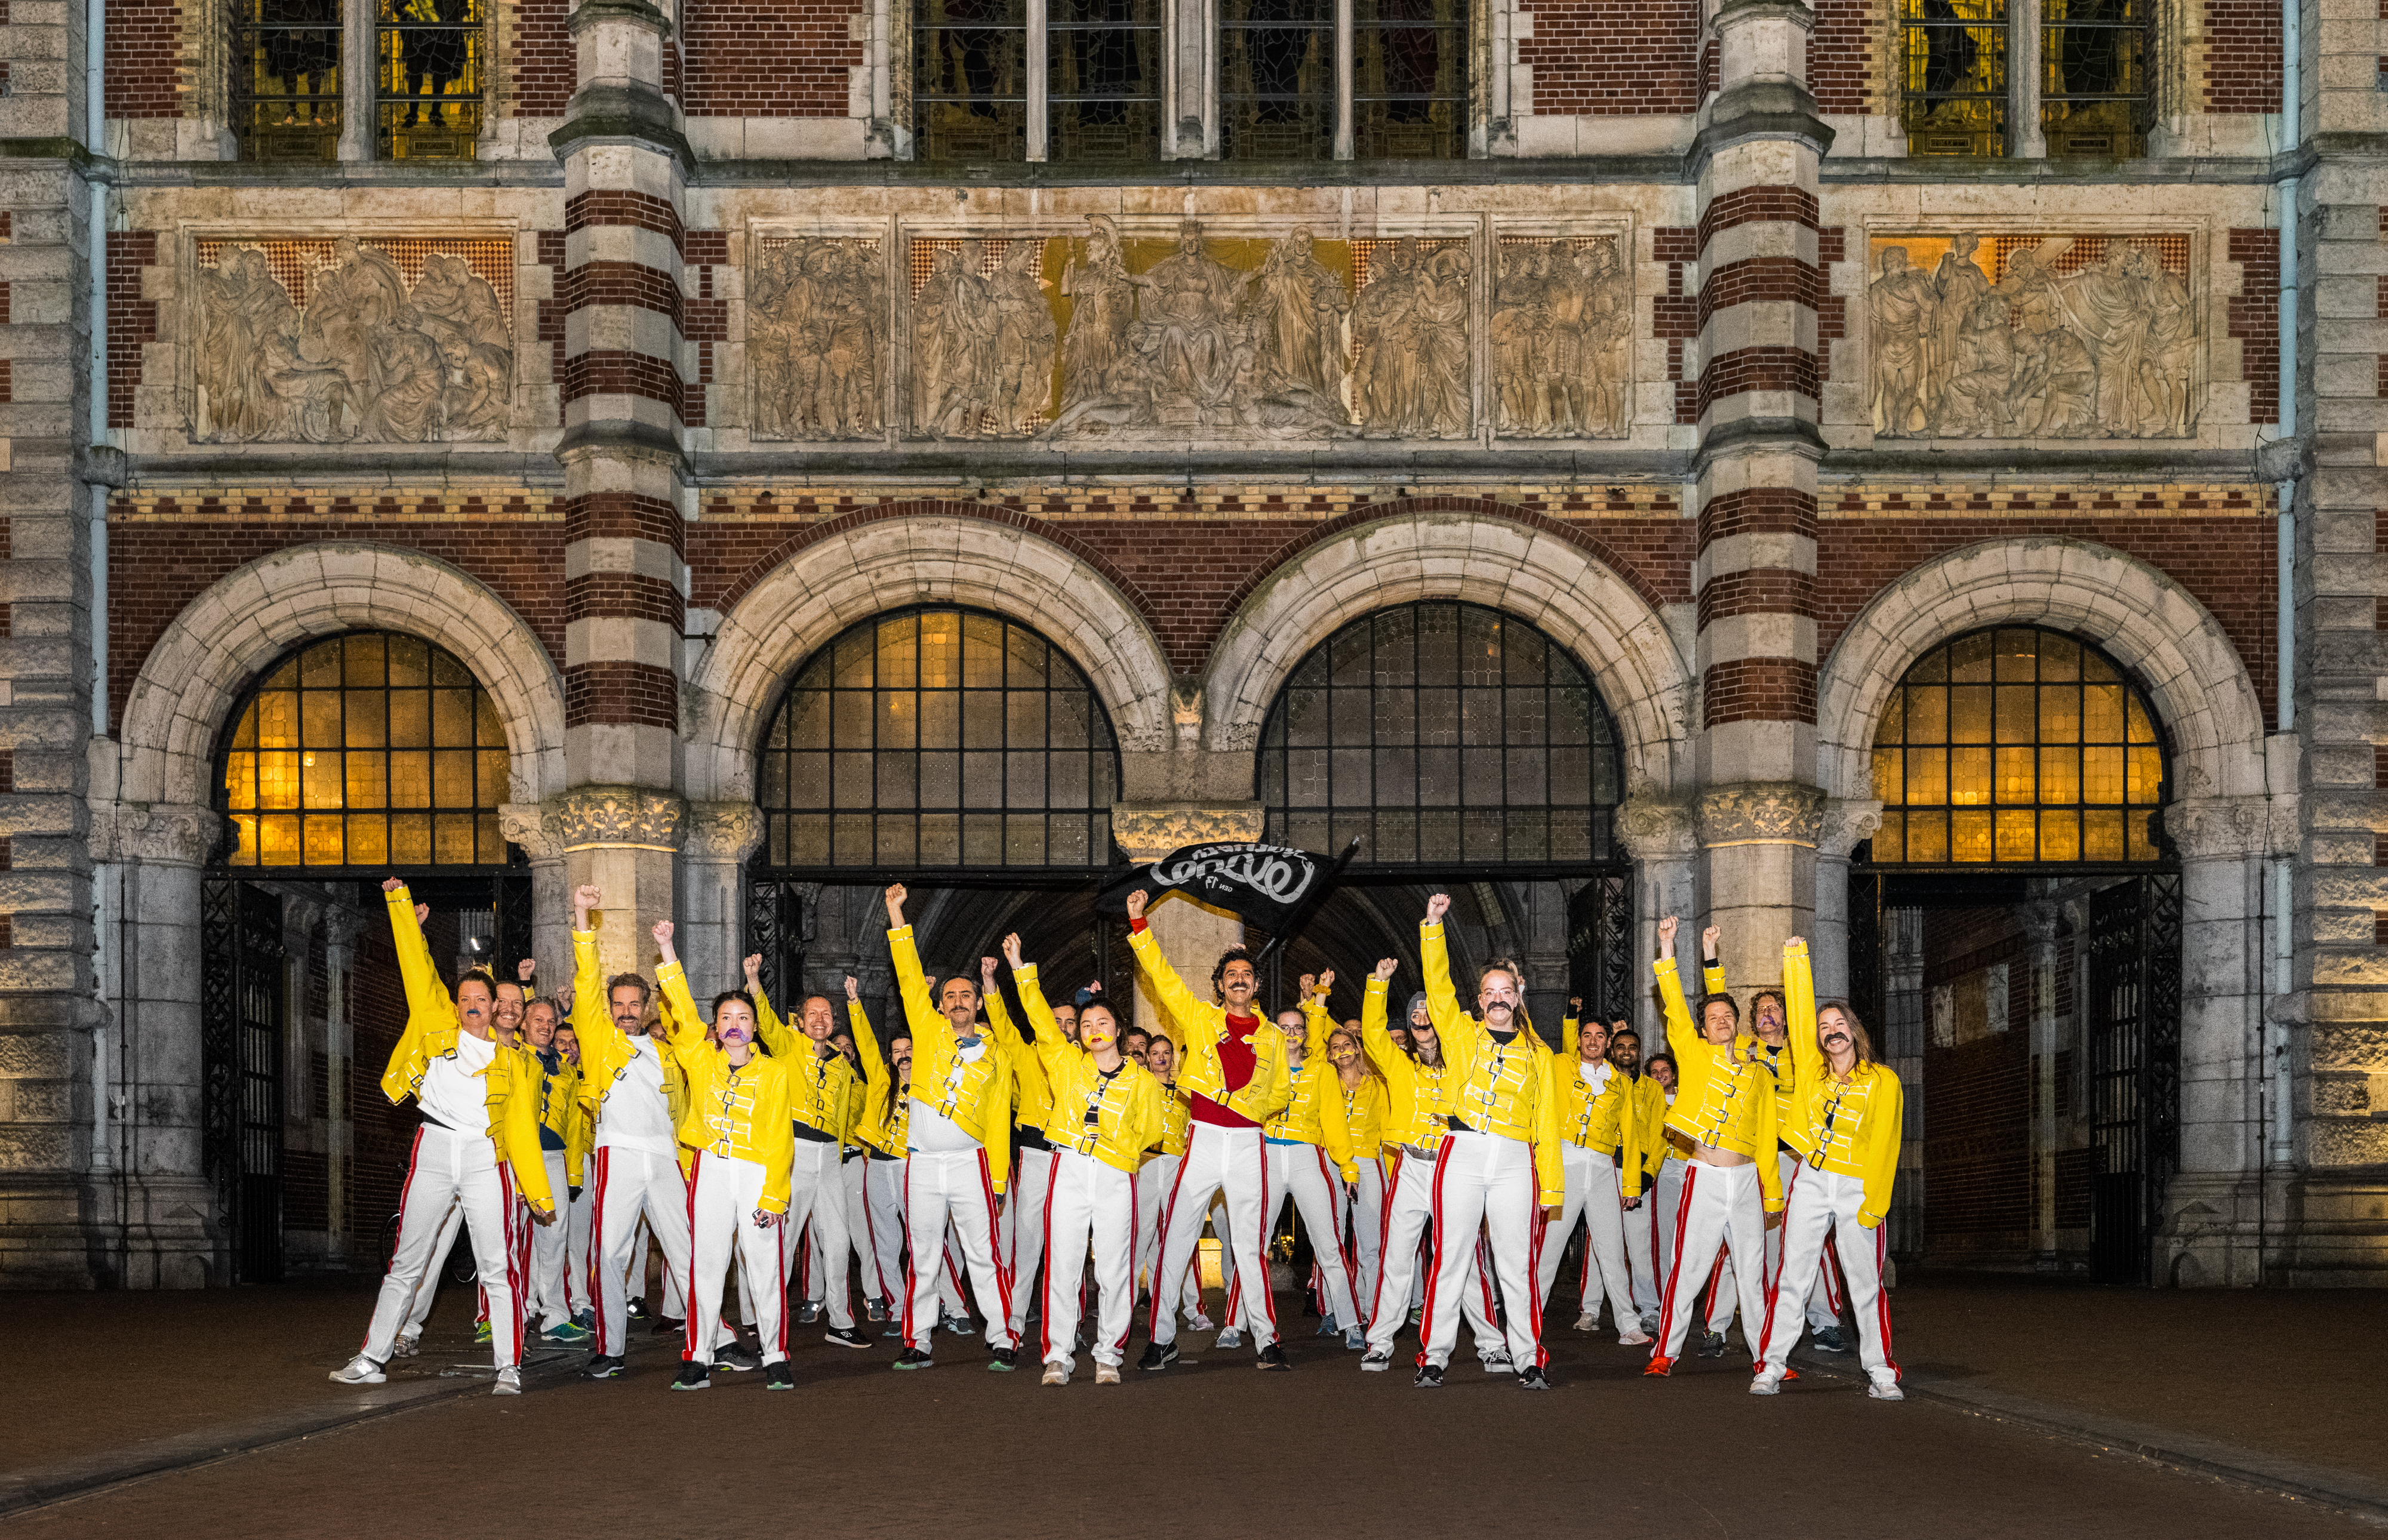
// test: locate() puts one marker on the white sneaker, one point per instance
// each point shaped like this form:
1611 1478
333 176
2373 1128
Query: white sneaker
1496 1362
1059 1375
1768 1382
1231 1338
1197 1321
1630 1337
1106 1374
359 1370
509 1382
1885 1390
1588 1322
406 1347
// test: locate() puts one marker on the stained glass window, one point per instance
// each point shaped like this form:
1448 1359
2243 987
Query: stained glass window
2017 745
1443 733
1409 87
1276 80
370 750
1955 101
938 737
427 83
1102 80
2094 101
287 84
969 91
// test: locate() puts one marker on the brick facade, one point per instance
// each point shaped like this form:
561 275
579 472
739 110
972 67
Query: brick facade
1604 57
145 59
810 47
2243 56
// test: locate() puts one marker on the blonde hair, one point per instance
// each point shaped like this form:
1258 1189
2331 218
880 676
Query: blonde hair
1366 1067
1860 1039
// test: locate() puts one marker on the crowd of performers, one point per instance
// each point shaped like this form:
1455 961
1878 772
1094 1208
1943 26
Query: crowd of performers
1440 1161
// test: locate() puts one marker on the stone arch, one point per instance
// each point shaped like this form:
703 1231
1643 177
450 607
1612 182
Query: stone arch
194 674
876 566
2178 653
1533 571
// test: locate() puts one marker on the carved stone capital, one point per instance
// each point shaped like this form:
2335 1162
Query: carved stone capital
619 817
2217 828
156 834
339 926
1147 831
1846 824
538 827
1655 830
1762 813
728 832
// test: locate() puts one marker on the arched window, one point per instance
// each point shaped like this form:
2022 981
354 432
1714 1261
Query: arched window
370 750
2017 745
939 738
1442 733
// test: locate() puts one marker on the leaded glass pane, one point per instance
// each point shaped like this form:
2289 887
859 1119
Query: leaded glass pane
430 60
1276 80
1955 100
2095 101
1409 86
1102 80
969 80
287 83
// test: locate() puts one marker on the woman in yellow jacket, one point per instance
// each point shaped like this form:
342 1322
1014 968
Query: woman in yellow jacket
1361 1091
1104 1109
737 1131
1022 1238
1845 1106
1159 1174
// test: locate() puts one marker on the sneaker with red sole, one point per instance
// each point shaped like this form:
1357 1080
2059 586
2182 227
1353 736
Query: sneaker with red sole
1661 1367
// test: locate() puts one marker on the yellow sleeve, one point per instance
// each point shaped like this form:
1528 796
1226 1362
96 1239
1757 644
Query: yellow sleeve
1799 1013
1570 1037
1770 1170
776 1038
1376 1041
425 992
575 1121
866 1044
1711 977
1334 1128
1176 999
998 1020
686 1028
1053 1047
999 1144
1629 1140
1679 1035
1315 1026
775 1139
1442 1001
1882 1145
592 1020
920 1011
1548 1170
1149 1123
517 1103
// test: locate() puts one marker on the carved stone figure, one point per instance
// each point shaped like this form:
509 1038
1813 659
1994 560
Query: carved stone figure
1024 339
1899 306
1102 305
953 325
1385 332
1562 322
1958 285
1299 306
365 360
813 340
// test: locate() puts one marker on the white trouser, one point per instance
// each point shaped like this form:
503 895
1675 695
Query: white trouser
883 1187
817 1196
1642 1253
1823 1203
1227 1162
1721 1206
576 1255
1824 1304
668 1302
1364 1241
1023 1228
626 1186
723 1193
1409 1208
418 1309
546 1305
1089 1205
1484 1181
944 1187
1722 1287
450 1170
1299 1172
820 1270
1593 1194
1153 1184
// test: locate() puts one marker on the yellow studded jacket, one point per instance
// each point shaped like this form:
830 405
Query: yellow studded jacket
1364 1116
886 1108
1414 1114
1645 1137
1491 1086
975 1094
1126 1105
1596 1122
1316 1113
1176 1121
1717 1090
559 1109
1032 1092
605 1048
736 1111
820 1085
1201 1027
1851 1125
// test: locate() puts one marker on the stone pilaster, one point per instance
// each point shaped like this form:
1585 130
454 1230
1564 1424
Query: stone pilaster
1845 825
627 841
1760 841
712 919
1191 934
1663 838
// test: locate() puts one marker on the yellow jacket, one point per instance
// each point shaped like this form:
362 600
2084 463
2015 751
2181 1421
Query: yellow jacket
1364 1116
1414 1109
1315 1115
1718 1091
1595 1122
1494 1087
737 1111
1032 1094
1176 1121
1645 1137
886 1108
605 1048
559 1109
977 1097
819 1084
510 1081
1776 1060
1126 1105
1203 1026
1850 1126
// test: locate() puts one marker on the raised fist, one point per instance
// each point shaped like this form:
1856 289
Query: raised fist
391 885
754 966
1437 907
1135 902
852 987
1386 967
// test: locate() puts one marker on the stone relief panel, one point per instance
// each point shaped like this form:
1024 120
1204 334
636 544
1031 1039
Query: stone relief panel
1562 336
816 336
1413 338
2033 336
363 339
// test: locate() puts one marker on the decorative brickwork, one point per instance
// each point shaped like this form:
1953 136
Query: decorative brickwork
3 304
8 381
1757 510
1758 690
621 694
622 516
617 283
1753 369
1840 56
543 71
620 373
2243 56
621 595
1675 316
144 52
1610 58
638 210
131 320
2254 318
1757 590
1755 204
807 45
1759 280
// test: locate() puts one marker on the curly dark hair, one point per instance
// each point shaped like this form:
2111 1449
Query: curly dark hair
1233 954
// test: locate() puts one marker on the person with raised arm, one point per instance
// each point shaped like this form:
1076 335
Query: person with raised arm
737 1131
1160 1175
1499 1166
1845 1106
1361 1091
819 1082
958 1150
632 1089
1595 1101
1234 1072
1637 1167
1104 1110
478 1149
560 1149
1722 1089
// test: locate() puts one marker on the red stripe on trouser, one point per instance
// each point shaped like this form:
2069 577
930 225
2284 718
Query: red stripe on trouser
1485 1297
1674 1267
1766 1334
1534 1294
1434 1268
1384 1241
1161 1305
779 1281
517 1252
911 1255
1044 1316
1129 1314
1881 1298
1002 1279
1268 1295
688 1323
597 1254
1342 1247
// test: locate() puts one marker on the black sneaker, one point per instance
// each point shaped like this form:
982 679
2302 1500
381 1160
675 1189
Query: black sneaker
1712 1344
780 1376
875 1309
1429 1376
913 1358
808 1314
638 1309
602 1368
1532 1378
845 1337
1827 1339
665 1326
739 1357
1006 1359
1158 1355
692 1376
1273 1357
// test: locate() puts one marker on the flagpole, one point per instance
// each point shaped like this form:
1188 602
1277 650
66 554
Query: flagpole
1300 916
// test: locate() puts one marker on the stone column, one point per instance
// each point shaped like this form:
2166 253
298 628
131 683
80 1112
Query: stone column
627 841
1760 842
538 830
340 1042
1844 825
1191 935
1663 839
713 917
2039 921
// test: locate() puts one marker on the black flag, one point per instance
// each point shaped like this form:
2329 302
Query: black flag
1266 886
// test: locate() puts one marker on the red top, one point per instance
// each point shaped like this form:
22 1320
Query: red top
1237 1062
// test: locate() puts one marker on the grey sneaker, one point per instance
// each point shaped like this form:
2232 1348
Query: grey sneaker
1377 1361
509 1382
1355 1340
1497 1361
406 1347
1885 1390
359 1370
808 1314
1231 1338
739 1357
1827 1339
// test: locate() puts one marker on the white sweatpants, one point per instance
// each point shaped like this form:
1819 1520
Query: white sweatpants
1227 1162
883 1209
1153 1184
1484 1181
1721 1208
1090 1207
1409 1210
1824 1304
548 1305
1822 1204
668 1302
820 1270
626 1186
1023 1228
1666 1203
576 1255
427 1290
955 1187
723 1193
817 1196
1299 1172
1592 1195
450 1170
1365 1204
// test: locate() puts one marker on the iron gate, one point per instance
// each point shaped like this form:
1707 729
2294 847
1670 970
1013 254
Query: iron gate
2134 1033
241 1032
1600 948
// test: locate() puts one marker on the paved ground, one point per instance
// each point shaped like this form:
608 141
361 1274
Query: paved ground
1207 1448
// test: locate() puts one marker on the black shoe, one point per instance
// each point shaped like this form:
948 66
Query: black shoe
602 1368
1005 1360
1712 1345
738 1356
638 1309
1532 1378
913 1358
808 1314
1273 1357
845 1337
692 1376
1827 1339
1158 1355
1429 1376
665 1326
778 1376
875 1309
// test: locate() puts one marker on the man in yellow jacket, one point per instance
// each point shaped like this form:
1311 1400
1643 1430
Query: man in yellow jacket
550 1303
736 1131
1595 1108
477 1150
958 1150
820 1085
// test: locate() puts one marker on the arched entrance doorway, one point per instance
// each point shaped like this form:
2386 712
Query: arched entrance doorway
2015 926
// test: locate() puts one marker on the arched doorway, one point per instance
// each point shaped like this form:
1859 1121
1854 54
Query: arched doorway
348 760
1466 751
2015 926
